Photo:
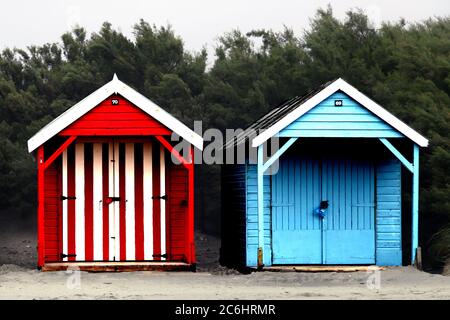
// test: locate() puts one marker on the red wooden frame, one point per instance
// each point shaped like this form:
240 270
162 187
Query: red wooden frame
60 150
172 150
190 222
43 165
41 204
189 165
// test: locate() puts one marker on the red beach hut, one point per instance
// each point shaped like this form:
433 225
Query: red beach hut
109 195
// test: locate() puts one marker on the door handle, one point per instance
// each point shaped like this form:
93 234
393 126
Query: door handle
322 210
110 200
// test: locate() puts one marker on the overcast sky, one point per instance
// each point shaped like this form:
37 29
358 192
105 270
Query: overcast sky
198 22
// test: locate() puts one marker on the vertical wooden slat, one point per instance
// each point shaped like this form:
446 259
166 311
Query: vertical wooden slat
122 207
98 207
71 204
41 206
148 202
65 248
260 182
107 217
162 164
191 208
139 201
156 203
415 204
129 202
114 244
88 202
80 204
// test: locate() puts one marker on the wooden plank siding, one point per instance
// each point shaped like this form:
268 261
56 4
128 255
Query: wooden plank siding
114 120
388 213
252 218
351 120
177 193
52 213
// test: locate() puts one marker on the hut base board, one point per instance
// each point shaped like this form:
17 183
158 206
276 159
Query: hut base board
119 266
321 268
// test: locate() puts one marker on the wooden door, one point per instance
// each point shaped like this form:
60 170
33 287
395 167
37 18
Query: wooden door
346 232
114 201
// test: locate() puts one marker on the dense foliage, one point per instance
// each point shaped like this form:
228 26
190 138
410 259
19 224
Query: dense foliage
404 67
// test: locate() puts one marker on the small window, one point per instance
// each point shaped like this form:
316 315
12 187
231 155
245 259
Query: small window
338 103
115 102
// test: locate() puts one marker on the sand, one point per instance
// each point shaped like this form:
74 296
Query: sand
20 280
395 283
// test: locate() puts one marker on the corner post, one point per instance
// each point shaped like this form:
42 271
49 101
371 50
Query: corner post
260 181
415 205
191 239
41 204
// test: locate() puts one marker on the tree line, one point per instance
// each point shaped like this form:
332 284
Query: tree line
404 67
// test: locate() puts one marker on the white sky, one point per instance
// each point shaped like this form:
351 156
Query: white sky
198 22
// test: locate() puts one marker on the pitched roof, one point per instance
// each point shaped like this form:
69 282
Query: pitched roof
91 101
274 115
280 117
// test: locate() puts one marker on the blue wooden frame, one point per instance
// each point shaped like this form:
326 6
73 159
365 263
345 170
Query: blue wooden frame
397 153
414 168
262 167
415 204
260 205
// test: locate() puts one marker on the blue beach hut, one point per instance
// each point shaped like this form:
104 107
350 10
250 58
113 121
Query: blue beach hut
331 193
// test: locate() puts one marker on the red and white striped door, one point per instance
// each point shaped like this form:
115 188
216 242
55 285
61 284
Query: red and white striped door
113 207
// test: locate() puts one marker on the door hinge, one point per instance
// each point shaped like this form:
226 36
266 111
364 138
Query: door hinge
70 255
68 198
164 197
160 255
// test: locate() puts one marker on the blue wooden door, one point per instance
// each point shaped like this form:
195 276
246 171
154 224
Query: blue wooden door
346 234
296 229
349 222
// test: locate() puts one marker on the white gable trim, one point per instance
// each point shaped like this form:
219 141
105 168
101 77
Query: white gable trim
362 99
91 101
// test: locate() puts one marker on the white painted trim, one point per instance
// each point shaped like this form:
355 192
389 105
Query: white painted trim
148 203
91 101
116 204
355 94
65 237
162 177
111 191
79 205
129 202
97 188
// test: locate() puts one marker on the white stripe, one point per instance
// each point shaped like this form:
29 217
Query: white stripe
129 204
148 203
64 204
79 206
98 201
111 206
162 177
116 204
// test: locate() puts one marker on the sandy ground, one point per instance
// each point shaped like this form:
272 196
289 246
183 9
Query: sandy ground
20 280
